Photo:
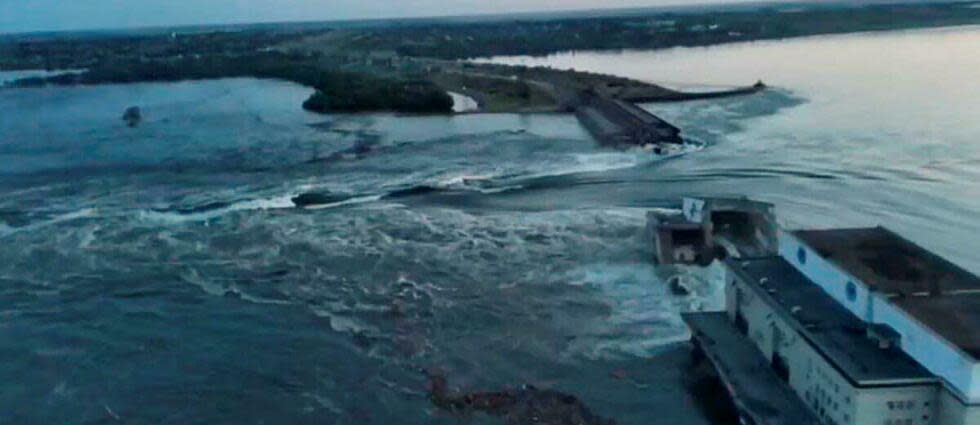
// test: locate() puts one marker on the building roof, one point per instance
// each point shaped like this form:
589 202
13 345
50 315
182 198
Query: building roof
833 331
936 292
955 317
888 262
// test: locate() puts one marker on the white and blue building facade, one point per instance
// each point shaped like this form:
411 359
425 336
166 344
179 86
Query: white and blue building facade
927 307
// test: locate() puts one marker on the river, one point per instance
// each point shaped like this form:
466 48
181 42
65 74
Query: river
159 274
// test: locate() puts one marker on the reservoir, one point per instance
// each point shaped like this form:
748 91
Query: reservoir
879 125
161 273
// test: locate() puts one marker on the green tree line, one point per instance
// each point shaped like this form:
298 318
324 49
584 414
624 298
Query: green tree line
336 90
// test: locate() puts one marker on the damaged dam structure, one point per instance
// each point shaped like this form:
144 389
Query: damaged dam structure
621 124
855 326
615 120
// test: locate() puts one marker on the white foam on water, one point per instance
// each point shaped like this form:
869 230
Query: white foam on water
344 323
212 287
596 162
645 314
715 297
463 179
665 211
472 182
83 213
642 316
501 189
208 286
481 177
7 77
463 103
88 236
264 204
324 402
351 201
600 161
6 230
281 202
261 204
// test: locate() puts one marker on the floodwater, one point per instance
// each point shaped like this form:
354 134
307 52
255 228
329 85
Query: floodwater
160 274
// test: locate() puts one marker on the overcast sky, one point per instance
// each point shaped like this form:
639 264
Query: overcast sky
44 15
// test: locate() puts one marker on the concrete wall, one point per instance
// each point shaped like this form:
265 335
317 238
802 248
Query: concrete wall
897 406
730 298
957 368
952 411
826 275
920 342
818 384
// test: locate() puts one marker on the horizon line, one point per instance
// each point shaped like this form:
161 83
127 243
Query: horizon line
488 17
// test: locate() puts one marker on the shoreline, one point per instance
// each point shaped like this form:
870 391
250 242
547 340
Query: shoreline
414 69
492 60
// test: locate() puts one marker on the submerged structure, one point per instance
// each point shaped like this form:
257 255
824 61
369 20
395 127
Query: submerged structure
836 327
621 124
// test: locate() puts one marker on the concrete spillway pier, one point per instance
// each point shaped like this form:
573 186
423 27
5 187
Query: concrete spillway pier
619 123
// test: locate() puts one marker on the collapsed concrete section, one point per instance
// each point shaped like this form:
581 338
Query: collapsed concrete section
621 124
709 229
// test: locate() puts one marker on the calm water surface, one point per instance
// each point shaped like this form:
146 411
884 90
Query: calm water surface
160 275
884 132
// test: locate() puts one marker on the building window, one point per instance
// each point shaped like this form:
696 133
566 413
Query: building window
852 291
801 255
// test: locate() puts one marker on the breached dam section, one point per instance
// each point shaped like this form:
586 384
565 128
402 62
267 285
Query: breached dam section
622 124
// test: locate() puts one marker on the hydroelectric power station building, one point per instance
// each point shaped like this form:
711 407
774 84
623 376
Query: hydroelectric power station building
836 327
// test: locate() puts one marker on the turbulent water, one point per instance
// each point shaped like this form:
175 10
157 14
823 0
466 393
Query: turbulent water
160 274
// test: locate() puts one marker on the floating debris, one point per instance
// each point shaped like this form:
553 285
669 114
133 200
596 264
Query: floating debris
133 116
